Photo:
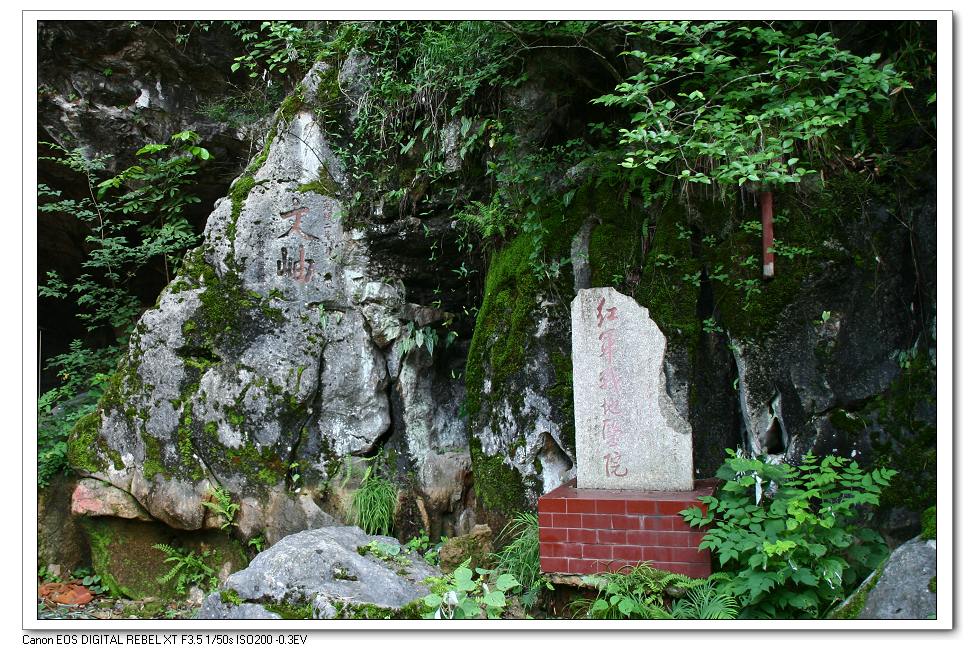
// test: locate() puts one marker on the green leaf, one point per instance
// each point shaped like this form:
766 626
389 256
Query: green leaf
494 599
152 148
506 581
462 579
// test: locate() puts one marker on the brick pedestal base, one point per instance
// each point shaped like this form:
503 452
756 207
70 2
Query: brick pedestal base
589 531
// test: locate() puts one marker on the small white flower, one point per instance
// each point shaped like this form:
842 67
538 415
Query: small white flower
450 598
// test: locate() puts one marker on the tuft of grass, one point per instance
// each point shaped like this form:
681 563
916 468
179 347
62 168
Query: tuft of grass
373 504
520 556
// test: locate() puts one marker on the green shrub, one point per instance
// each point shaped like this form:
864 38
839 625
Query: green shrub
134 223
423 546
791 540
704 602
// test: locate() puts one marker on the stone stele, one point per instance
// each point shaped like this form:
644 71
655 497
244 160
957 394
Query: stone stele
629 434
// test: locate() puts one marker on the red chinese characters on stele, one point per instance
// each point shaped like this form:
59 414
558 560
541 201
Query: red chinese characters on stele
610 385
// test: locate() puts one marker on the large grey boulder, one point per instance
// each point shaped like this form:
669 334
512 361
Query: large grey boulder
904 589
331 569
270 356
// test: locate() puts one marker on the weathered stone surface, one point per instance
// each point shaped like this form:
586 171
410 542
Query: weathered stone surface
261 354
122 553
60 538
476 545
903 591
630 433
287 514
325 566
215 610
99 499
435 438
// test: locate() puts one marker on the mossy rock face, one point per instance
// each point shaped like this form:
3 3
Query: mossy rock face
60 538
929 523
476 546
257 367
519 373
122 553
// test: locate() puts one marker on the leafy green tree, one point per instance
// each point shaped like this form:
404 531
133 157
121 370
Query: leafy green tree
731 103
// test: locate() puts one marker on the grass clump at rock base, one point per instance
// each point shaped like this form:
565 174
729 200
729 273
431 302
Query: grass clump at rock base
373 505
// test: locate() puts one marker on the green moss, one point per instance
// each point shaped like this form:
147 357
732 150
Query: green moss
81 444
235 417
498 486
87 450
412 610
667 287
366 611
238 194
933 585
500 338
224 308
329 102
291 612
184 442
326 185
260 465
99 544
152 609
153 463
123 555
290 107
230 597
614 255
909 441
347 610
797 225
560 393
929 523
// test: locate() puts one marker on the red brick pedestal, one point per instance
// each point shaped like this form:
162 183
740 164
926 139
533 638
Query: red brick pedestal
590 531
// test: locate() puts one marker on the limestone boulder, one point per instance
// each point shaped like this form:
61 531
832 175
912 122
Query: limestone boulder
335 571
904 590
260 365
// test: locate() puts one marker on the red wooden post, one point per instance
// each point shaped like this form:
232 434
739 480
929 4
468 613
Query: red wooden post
768 257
